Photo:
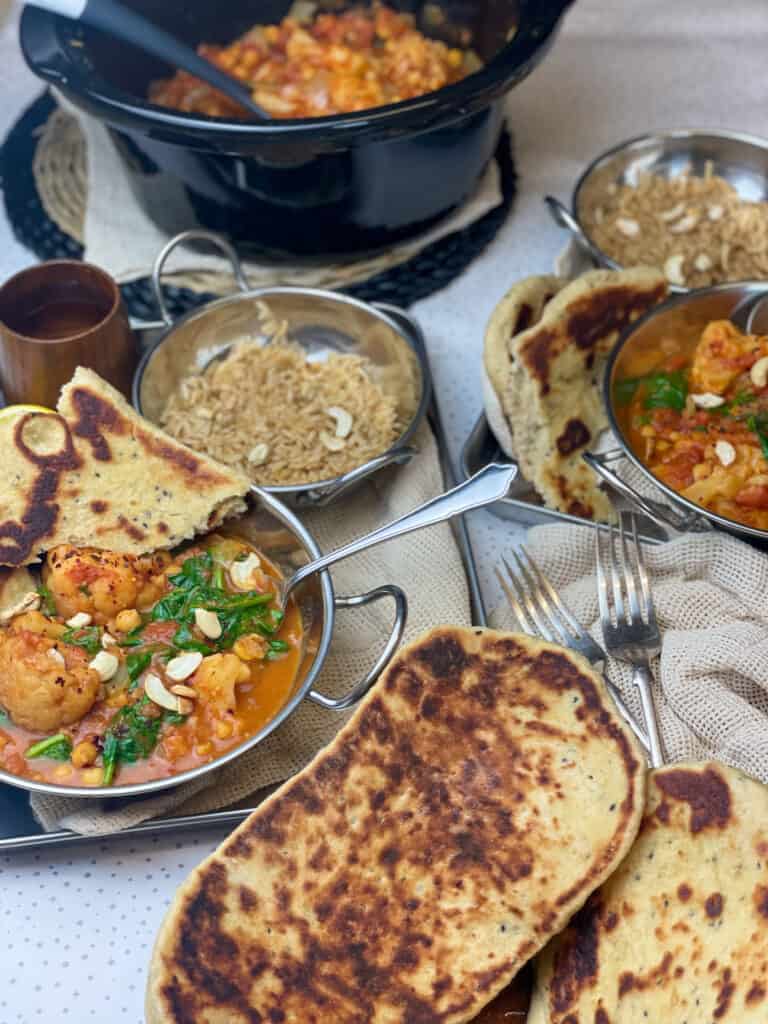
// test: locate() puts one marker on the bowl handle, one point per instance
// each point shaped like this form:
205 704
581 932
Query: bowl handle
217 241
395 636
563 217
319 497
663 516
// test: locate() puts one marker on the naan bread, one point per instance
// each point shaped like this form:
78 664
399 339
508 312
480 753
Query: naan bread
547 375
679 933
474 800
15 585
98 474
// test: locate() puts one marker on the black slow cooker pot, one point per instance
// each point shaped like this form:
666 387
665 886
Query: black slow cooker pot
335 185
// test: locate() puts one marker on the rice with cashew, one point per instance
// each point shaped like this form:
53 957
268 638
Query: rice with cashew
280 418
697 229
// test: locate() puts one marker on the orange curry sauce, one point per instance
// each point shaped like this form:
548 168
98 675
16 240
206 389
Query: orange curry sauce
695 412
242 681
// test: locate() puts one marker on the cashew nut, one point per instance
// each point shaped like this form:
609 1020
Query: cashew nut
628 227
725 452
759 372
343 420
673 269
707 400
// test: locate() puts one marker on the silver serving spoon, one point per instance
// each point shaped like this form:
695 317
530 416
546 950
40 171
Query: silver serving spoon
492 483
112 17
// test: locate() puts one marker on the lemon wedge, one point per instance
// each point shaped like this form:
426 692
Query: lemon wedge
10 411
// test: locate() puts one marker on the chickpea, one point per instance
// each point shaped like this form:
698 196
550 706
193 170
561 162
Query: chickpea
92 776
203 749
84 754
223 730
243 673
127 620
64 771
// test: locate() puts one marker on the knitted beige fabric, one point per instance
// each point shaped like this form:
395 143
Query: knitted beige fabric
426 564
84 189
710 591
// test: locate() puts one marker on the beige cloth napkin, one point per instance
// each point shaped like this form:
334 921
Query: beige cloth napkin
426 564
120 237
709 590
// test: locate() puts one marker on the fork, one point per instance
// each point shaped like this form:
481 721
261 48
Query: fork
541 611
630 630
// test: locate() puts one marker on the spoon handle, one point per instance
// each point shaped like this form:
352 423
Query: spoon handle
117 20
492 483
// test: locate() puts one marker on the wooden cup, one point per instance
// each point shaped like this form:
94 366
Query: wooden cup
55 317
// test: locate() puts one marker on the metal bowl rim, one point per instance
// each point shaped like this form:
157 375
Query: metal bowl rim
291 520
676 300
295 490
678 133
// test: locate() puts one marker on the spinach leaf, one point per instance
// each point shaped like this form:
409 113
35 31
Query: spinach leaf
110 753
759 424
136 663
88 637
4 719
170 607
129 737
174 718
185 640
197 569
47 602
276 648
624 390
132 639
666 391
58 747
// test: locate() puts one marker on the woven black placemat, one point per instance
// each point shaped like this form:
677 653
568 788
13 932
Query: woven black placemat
429 271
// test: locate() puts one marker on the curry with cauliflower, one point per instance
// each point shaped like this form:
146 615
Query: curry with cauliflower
123 668
696 414
329 64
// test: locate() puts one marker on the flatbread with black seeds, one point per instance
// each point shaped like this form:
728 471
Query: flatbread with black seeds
475 799
679 933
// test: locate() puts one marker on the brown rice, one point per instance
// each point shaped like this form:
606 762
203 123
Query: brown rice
280 418
696 229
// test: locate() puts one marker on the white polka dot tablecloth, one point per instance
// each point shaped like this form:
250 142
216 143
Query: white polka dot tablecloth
78 923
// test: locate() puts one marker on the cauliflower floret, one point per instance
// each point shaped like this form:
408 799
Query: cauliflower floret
102 583
216 678
722 354
36 689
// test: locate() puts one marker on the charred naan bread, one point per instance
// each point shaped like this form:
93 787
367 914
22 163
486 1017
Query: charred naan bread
476 797
545 348
16 586
680 932
98 474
